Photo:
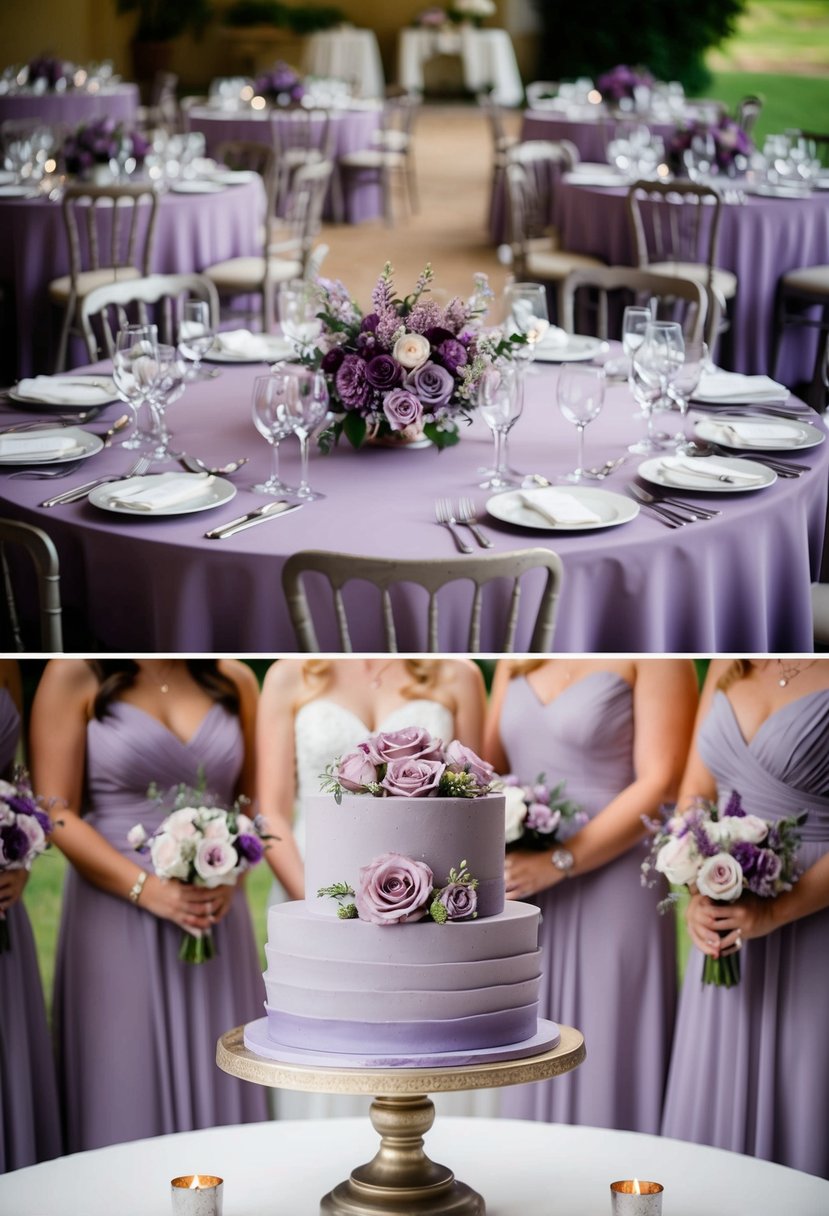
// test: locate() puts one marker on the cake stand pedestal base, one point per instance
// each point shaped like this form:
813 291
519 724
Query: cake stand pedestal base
401 1178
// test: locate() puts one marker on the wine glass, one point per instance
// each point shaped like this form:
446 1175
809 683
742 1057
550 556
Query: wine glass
580 396
526 310
196 335
663 351
500 402
306 401
167 388
273 420
685 384
134 371
299 305
635 320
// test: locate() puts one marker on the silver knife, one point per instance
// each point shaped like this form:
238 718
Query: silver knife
268 511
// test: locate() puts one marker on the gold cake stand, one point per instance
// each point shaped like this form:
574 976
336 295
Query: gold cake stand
400 1180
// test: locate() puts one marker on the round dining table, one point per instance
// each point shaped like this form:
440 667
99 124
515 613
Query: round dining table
284 1167
73 106
739 582
192 231
589 127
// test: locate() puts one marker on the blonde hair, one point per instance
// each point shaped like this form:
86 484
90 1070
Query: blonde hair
523 667
423 675
736 670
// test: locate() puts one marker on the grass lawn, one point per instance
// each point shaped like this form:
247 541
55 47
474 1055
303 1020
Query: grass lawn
789 101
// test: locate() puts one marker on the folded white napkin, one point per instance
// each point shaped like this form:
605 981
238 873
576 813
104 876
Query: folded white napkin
553 336
768 434
38 443
732 386
559 507
62 390
243 343
705 469
167 490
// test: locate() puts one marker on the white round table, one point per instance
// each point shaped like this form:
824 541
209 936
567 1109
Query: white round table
520 1168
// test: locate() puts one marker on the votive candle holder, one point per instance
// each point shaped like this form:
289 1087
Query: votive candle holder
197 1195
632 1197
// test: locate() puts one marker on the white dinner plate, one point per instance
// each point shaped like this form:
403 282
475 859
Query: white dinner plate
219 491
799 434
105 386
15 190
578 348
233 177
590 174
614 509
654 471
273 349
766 190
197 186
86 444
7 177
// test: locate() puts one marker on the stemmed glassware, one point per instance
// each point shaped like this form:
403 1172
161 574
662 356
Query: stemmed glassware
135 371
274 421
525 305
635 320
580 396
685 384
299 304
196 335
306 400
500 402
168 387
656 365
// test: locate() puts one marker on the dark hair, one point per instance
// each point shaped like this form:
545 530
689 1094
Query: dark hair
114 675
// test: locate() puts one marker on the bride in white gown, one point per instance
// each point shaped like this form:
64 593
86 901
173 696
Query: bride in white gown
315 710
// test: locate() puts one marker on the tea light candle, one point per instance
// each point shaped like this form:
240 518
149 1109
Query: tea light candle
634 1198
197 1195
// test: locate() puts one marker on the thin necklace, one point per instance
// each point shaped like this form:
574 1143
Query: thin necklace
164 683
376 679
790 671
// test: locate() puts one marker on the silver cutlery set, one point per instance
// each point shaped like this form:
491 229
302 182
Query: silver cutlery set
462 515
672 512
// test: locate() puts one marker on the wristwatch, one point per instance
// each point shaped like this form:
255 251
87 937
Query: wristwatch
563 860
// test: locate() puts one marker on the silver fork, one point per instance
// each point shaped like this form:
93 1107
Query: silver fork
137 469
62 470
468 516
445 516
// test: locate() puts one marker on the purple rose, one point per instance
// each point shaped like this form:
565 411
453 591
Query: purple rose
409 743
413 778
761 868
14 843
355 771
332 359
369 323
460 901
383 372
433 384
250 848
437 334
393 889
452 354
402 409
460 759
351 382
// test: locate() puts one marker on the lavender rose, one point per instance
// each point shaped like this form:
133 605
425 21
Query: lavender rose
460 901
402 409
383 372
413 778
721 877
761 868
433 384
410 742
351 382
214 860
452 354
541 819
355 771
393 889
460 759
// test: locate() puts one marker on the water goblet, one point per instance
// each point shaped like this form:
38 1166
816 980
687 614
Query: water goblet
500 402
135 371
526 311
273 420
635 321
663 350
168 387
306 396
299 305
684 385
580 396
196 335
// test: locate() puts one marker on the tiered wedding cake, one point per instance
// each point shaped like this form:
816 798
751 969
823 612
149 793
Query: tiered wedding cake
405 953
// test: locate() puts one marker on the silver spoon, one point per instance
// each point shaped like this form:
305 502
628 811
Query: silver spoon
194 465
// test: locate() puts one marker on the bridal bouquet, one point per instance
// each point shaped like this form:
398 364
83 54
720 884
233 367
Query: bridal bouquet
408 369
721 853
538 816
24 832
621 82
202 843
409 763
102 142
281 86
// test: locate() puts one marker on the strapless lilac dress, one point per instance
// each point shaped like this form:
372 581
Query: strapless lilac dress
136 1027
609 958
750 1070
29 1119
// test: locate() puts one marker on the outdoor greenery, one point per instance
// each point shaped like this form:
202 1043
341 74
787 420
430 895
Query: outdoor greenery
788 101
298 20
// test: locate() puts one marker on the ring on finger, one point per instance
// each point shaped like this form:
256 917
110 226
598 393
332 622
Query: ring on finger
739 941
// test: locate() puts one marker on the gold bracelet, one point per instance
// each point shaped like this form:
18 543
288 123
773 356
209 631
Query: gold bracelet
137 887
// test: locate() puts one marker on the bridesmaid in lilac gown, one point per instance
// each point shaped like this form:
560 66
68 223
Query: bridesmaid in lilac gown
29 1120
618 733
136 1027
750 1070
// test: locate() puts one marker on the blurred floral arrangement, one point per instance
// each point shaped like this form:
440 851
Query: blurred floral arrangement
282 85
52 71
103 142
621 82
726 142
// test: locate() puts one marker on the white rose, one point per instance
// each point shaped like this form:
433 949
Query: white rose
678 860
721 877
411 350
31 828
7 815
136 836
750 827
515 812
7 790
181 824
216 829
215 859
245 825
166 854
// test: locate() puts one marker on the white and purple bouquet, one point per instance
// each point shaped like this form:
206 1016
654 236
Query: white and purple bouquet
394 890
281 85
622 81
538 816
203 843
721 853
409 763
102 142
410 368
24 833
728 143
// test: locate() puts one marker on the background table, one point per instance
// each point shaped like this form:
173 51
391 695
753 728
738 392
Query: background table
346 53
192 231
118 101
521 1169
589 130
487 56
738 583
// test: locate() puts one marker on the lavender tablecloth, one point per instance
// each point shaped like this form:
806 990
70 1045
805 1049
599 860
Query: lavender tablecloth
737 583
118 101
353 130
192 231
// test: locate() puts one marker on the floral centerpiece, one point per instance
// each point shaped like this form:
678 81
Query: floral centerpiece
48 72
203 843
409 369
474 11
621 82
409 763
726 140
281 85
721 853
24 833
431 18
538 815
102 142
